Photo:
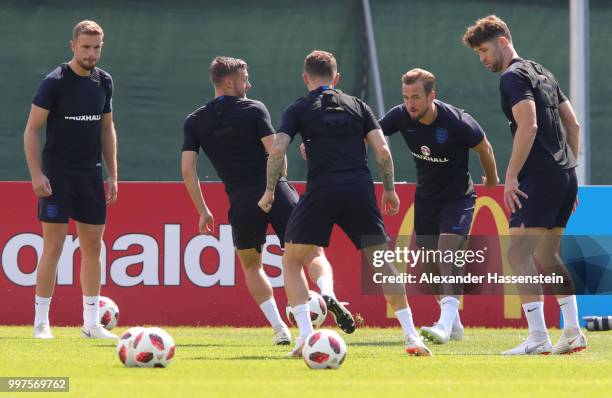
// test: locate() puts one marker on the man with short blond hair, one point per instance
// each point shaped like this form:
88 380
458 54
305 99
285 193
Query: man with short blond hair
420 75
74 101
87 27
440 137
541 187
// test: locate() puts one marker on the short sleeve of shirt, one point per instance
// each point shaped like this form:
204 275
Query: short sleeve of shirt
369 120
190 141
108 104
289 122
472 133
47 93
263 120
390 122
561 95
515 87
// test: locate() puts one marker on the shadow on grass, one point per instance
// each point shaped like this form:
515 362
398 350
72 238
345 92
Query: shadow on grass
197 345
376 343
238 358
217 345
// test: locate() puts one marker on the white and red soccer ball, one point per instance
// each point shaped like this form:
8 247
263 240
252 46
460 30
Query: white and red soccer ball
125 346
109 313
318 310
324 349
146 348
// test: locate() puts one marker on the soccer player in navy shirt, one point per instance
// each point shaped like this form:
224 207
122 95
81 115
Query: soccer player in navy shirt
540 185
440 137
236 133
340 189
74 101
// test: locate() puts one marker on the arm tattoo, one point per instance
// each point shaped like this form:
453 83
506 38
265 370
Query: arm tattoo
385 168
276 160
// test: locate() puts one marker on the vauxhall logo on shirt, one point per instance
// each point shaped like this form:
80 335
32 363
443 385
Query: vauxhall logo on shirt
424 155
84 118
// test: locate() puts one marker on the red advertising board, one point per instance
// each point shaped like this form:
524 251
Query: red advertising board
160 271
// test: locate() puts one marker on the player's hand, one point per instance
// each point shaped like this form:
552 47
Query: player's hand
265 203
41 186
489 184
303 151
206 224
511 195
390 203
111 191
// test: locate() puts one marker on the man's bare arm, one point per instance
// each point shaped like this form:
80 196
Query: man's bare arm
268 142
572 128
376 140
31 145
189 160
487 161
109 153
390 202
276 160
109 144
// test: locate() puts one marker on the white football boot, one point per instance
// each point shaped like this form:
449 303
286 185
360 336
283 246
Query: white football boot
96 332
436 334
282 336
414 346
570 345
531 347
43 331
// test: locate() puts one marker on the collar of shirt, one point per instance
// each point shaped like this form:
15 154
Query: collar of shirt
321 89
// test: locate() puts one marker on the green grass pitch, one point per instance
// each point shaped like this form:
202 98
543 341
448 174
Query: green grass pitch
230 362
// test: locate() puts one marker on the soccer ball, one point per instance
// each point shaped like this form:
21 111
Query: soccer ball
125 346
109 313
318 310
153 348
324 349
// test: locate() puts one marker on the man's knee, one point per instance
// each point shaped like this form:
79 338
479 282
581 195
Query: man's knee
250 259
296 255
53 244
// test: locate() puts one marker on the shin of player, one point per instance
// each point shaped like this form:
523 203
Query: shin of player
540 185
68 178
340 188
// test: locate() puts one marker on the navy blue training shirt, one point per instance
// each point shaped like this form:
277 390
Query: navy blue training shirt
333 126
229 131
528 80
440 150
75 104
